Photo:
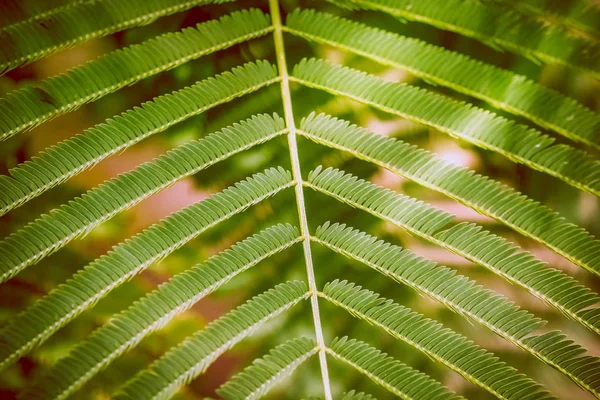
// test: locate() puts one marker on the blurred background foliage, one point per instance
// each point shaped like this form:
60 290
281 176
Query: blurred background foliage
580 208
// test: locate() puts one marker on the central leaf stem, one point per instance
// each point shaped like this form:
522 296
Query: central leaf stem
297 174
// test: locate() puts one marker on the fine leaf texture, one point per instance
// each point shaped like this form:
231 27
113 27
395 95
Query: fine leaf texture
23 43
465 239
352 395
439 343
581 16
179 366
155 310
546 31
495 26
47 315
55 229
400 379
466 298
484 195
501 88
72 156
479 127
30 106
264 373
22 11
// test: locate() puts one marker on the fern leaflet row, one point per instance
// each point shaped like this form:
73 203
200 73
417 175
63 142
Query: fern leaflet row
155 310
24 43
497 27
129 258
31 106
398 378
484 195
465 297
190 358
501 88
441 344
465 239
72 156
461 120
54 230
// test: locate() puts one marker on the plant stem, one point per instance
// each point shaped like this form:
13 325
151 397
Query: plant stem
297 174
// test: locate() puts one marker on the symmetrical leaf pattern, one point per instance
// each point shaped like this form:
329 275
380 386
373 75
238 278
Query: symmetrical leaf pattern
543 31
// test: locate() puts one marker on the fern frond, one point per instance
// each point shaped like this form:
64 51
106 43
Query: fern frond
14 12
33 29
479 127
155 310
465 297
72 156
29 107
465 239
52 231
193 356
396 377
264 373
501 88
439 343
581 16
484 195
129 258
352 395
495 26
23 43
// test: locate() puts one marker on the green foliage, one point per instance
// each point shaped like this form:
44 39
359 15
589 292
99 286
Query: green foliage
54 230
72 156
396 377
496 26
463 296
24 43
482 128
487 196
465 239
501 88
441 344
129 258
264 373
144 297
156 309
33 105
192 357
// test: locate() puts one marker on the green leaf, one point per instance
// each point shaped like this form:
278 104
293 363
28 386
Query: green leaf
396 377
501 88
465 239
352 395
193 356
76 219
464 296
155 310
483 194
479 127
495 26
33 105
47 315
580 16
256 380
550 31
75 155
22 11
23 43
441 344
